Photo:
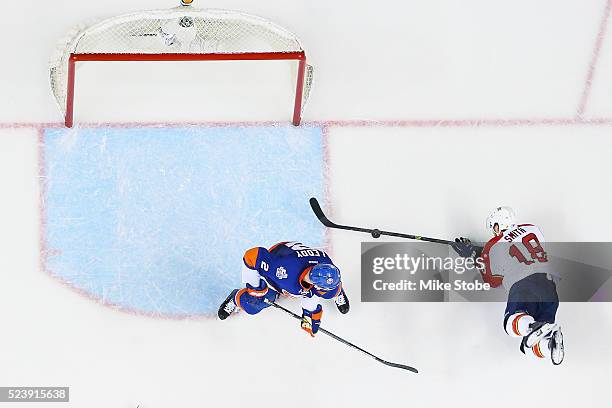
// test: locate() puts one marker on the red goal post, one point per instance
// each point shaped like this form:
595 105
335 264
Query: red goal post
178 34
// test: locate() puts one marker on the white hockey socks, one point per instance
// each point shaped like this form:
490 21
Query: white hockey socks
517 324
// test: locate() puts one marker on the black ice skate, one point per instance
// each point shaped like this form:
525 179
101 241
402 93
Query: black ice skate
342 302
557 352
539 330
228 306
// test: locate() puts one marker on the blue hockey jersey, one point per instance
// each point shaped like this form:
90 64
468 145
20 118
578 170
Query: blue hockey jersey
285 265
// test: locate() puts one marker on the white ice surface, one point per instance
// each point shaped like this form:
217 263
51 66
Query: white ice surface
375 60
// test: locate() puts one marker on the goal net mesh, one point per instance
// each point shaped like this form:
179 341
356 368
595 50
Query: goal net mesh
181 30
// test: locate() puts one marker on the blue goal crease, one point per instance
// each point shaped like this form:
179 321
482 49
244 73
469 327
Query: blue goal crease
157 219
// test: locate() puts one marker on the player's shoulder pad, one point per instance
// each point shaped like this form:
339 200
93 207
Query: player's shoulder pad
273 247
490 243
538 229
252 256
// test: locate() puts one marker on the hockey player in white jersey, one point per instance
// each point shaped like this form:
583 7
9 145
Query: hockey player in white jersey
516 259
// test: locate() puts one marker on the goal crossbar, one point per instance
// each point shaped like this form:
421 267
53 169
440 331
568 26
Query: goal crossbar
299 56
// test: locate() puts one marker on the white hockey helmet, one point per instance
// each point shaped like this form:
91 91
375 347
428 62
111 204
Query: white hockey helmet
504 217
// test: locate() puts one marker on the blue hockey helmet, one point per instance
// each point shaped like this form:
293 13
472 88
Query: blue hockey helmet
325 276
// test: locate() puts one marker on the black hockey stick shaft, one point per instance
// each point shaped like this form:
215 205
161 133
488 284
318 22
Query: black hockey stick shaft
348 343
376 233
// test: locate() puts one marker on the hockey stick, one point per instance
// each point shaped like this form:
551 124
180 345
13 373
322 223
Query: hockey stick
341 340
376 233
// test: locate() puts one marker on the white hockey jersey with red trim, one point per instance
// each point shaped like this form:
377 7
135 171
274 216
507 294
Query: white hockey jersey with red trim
515 254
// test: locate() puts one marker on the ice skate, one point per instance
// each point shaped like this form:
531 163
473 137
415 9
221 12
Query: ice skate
557 352
228 306
342 302
539 330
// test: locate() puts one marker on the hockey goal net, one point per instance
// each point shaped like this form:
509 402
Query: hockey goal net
177 34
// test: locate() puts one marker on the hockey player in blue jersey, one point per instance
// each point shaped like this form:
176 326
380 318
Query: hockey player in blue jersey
292 269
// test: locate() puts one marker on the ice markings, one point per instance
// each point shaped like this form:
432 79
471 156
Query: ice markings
156 219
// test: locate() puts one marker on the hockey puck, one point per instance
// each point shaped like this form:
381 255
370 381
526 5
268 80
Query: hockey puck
376 233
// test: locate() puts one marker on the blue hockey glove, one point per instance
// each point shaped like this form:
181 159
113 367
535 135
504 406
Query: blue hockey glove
312 320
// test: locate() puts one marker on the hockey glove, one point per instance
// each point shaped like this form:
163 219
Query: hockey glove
311 320
465 249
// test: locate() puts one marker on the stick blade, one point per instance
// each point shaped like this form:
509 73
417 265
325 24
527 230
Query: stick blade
316 208
402 366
